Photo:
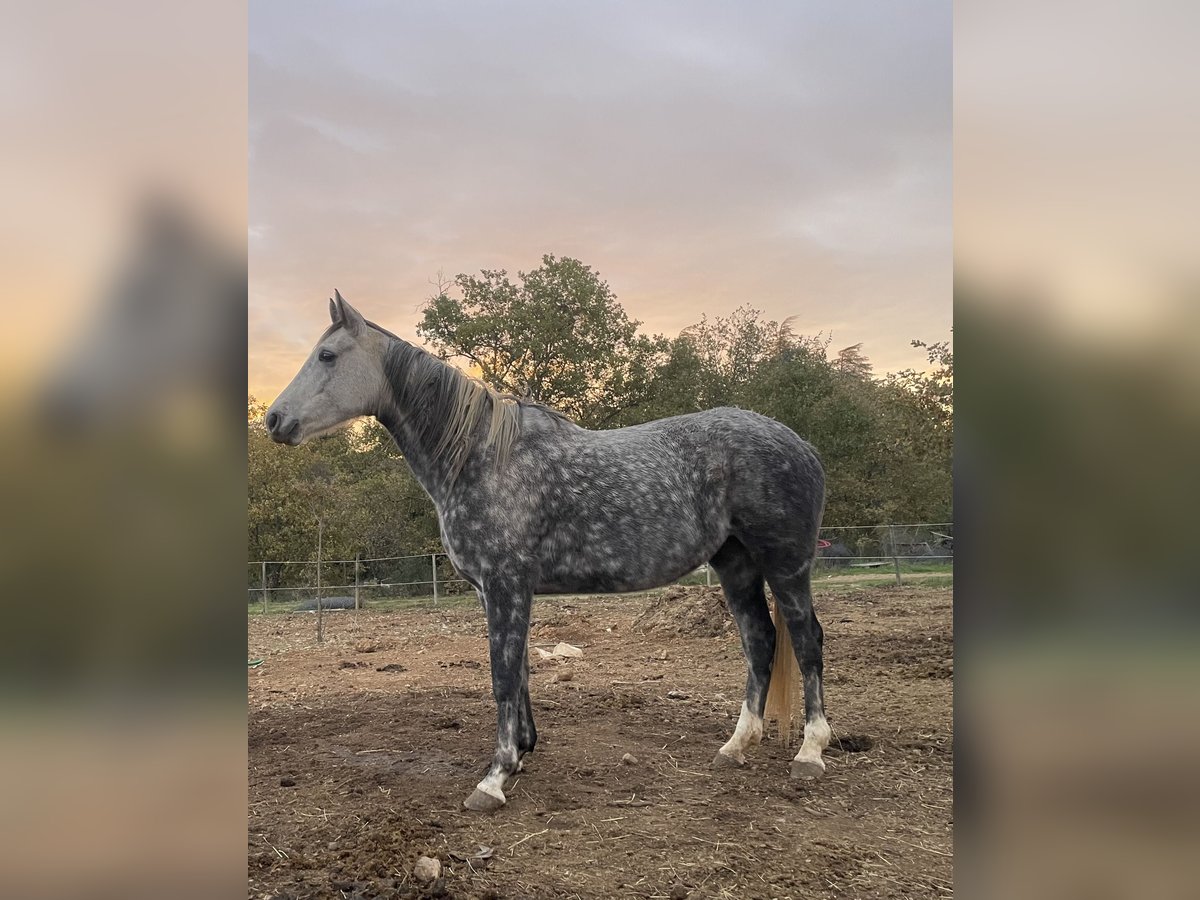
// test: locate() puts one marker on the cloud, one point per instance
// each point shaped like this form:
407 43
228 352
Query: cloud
796 159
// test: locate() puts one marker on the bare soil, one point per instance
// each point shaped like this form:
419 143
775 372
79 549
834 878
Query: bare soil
362 749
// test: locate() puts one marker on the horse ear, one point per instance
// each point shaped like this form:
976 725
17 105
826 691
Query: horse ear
345 314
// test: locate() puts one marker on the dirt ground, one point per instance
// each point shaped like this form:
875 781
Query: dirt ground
361 751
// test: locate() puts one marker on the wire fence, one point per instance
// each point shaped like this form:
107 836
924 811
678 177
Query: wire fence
848 553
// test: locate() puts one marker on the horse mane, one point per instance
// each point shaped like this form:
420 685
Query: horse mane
454 406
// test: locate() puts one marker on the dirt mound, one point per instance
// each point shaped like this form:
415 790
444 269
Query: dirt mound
686 610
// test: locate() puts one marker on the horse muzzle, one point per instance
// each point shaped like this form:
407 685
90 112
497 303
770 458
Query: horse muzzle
283 429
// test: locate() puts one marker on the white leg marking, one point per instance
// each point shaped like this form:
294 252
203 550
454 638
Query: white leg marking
492 784
817 735
747 733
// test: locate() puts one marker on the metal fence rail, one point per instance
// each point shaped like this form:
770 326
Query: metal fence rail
843 549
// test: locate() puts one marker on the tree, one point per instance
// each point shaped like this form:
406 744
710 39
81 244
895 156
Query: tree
355 479
556 335
918 412
733 351
934 389
852 361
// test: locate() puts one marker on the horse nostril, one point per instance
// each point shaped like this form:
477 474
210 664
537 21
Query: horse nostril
272 420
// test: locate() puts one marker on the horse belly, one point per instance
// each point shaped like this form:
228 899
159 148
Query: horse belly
635 557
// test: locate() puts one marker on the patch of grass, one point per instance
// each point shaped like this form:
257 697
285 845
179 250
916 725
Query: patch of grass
824 580
380 604
907 579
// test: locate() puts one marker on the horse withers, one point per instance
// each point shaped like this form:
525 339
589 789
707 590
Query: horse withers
528 502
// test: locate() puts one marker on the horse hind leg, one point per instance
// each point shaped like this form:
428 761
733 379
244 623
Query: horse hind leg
742 582
793 594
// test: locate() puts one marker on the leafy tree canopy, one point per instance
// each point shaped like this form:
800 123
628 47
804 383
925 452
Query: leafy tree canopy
557 335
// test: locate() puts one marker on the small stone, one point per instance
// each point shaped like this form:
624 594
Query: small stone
332 845
287 782
629 759
679 892
428 868
564 675
677 695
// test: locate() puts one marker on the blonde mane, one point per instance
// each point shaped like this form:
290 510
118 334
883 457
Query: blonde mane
458 413
472 403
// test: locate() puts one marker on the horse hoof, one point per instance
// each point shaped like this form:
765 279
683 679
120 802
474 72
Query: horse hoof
722 761
808 769
480 801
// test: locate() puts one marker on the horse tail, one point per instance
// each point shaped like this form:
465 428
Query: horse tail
782 696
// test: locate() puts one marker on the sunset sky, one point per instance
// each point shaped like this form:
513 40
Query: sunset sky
795 157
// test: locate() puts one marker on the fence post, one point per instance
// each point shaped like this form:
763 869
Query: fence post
433 558
320 536
895 558
356 582
708 574
264 586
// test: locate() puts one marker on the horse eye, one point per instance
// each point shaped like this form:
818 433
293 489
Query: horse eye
326 356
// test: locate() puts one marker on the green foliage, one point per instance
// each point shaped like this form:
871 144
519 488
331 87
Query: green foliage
355 480
558 335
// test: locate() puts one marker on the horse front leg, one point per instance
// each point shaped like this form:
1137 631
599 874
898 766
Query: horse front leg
507 602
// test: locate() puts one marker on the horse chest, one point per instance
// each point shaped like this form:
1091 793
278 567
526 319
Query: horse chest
474 544
459 550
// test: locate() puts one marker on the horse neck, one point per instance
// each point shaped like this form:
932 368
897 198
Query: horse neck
416 431
430 473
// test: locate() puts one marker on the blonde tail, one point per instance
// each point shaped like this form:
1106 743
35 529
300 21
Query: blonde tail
782 696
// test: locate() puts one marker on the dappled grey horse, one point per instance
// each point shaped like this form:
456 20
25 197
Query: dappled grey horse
528 502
